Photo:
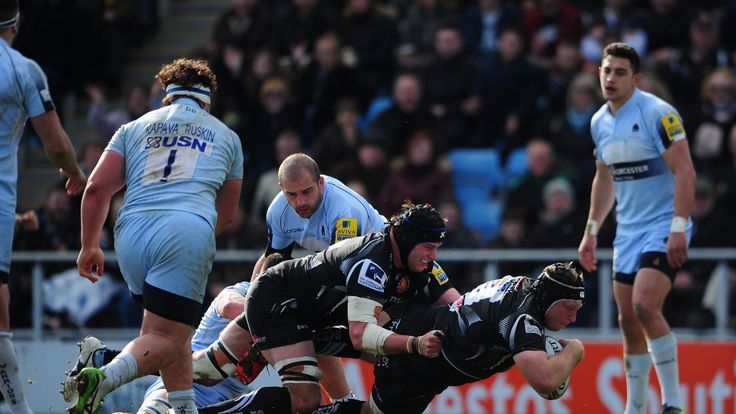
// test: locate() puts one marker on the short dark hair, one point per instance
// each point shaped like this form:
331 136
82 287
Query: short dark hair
8 9
273 259
625 51
294 165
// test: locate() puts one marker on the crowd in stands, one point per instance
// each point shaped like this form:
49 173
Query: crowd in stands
389 95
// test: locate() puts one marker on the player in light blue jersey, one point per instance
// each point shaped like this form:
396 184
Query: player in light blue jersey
643 164
314 211
24 94
183 170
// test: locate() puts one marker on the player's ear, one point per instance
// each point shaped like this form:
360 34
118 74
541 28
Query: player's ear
637 78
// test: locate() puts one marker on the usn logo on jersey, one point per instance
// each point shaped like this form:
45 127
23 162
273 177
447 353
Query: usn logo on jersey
346 228
371 275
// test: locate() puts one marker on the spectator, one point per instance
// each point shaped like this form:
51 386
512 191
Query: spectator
406 114
546 24
418 176
508 89
417 32
566 65
231 99
369 38
687 68
372 168
448 83
512 235
559 222
321 84
338 142
275 114
483 22
716 118
662 40
465 275
570 133
105 120
247 25
287 143
297 29
525 192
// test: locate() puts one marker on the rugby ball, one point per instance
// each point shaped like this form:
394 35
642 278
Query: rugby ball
553 346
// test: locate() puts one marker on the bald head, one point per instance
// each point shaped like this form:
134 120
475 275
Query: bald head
295 166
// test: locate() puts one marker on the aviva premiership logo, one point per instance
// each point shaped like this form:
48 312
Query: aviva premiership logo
439 274
346 228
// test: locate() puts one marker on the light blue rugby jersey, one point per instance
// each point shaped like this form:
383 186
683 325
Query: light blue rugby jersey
24 93
343 214
176 158
631 145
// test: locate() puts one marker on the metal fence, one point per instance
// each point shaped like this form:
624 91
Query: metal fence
605 328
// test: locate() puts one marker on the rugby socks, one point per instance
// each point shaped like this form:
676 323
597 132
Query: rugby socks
664 355
182 402
637 368
11 386
155 406
119 371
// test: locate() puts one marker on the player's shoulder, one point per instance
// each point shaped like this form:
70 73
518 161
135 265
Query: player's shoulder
278 209
599 114
339 197
654 106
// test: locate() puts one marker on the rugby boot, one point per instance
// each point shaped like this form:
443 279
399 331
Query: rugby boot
88 349
89 393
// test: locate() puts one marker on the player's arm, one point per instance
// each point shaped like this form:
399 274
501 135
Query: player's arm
230 304
602 197
677 157
107 179
544 372
226 203
367 336
59 149
450 296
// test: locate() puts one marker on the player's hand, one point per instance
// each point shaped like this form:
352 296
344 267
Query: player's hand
74 184
677 249
430 344
90 260
586 252
575 346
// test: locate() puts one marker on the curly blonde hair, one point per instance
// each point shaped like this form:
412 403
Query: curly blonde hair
186 72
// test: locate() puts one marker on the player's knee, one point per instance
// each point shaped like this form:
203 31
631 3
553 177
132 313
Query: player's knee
645 311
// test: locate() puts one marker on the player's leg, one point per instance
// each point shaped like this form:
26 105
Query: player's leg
155 401
263 400
12 387
653 283
297 367
220 359
333 377
637 361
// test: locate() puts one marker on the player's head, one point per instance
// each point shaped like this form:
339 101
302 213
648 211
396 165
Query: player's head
559 292
619 72
8 17
273 259
302 183
418 232
191 78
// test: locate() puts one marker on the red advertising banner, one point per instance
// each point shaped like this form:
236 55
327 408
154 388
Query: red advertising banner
598 385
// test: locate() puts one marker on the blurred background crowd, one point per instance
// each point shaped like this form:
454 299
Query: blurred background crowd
480 107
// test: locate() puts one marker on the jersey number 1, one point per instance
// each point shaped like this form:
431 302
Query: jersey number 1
169 164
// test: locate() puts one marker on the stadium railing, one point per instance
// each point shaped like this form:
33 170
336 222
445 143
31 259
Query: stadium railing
605 328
